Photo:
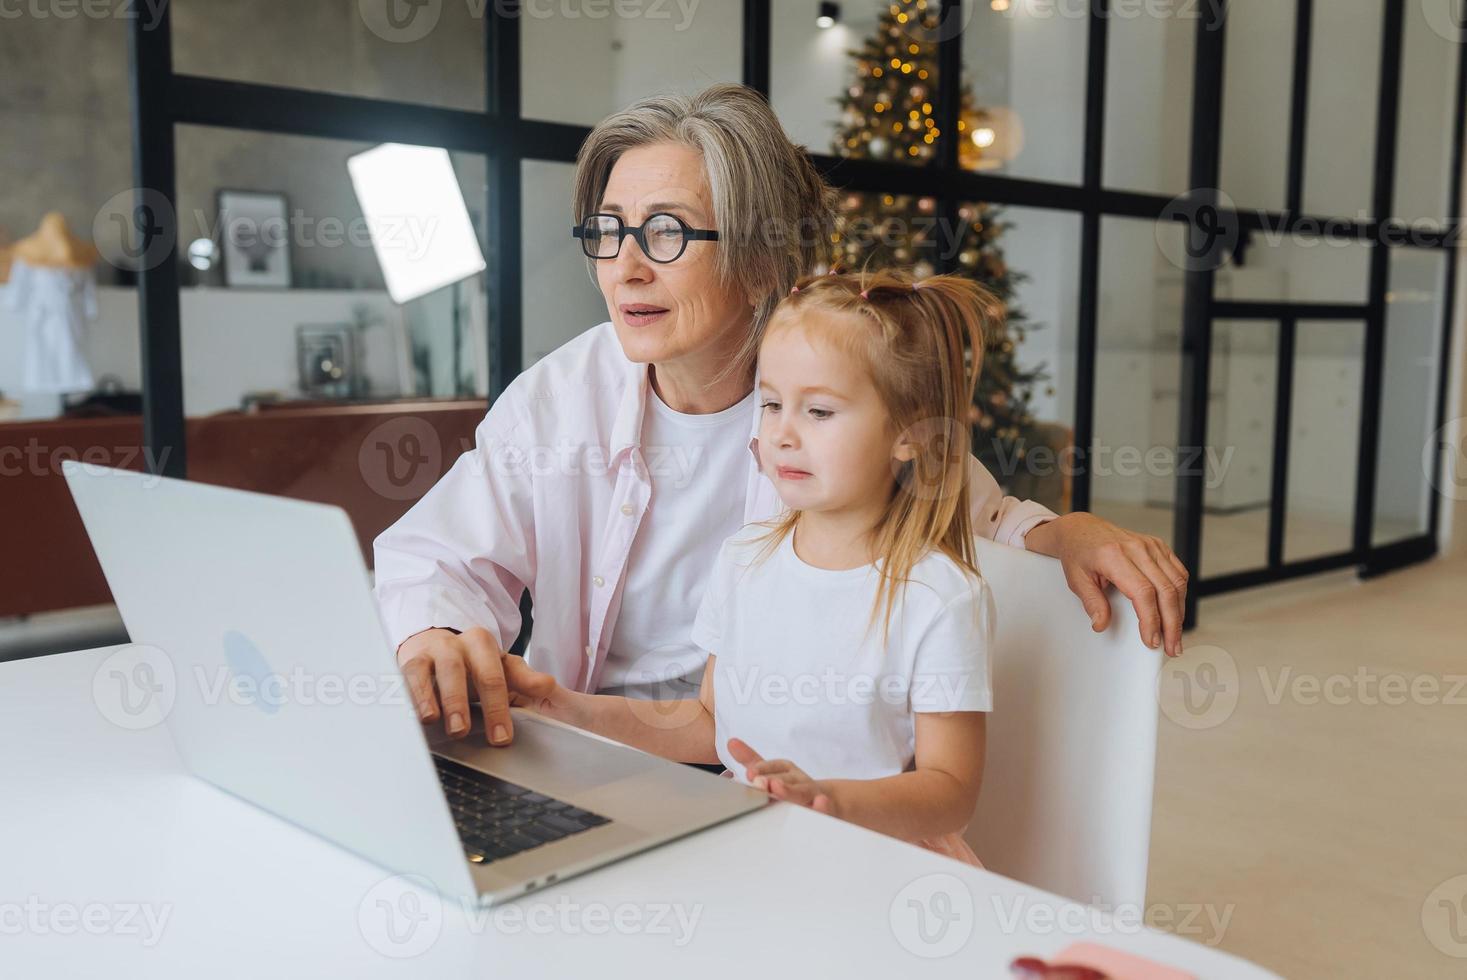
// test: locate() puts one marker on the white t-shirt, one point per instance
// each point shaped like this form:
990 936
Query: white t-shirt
797 679
699 468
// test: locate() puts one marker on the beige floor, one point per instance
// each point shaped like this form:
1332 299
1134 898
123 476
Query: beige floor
1322 819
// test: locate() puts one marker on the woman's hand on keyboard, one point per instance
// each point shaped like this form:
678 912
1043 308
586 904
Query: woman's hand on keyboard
443 665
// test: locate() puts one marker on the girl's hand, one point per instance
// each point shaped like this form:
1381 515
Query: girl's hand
782 779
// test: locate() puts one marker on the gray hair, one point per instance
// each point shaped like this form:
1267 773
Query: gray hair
773 210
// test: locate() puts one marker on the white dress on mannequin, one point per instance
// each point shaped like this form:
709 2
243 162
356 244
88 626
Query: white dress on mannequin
55 306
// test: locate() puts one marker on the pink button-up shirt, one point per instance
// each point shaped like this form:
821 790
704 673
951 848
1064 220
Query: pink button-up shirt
550 499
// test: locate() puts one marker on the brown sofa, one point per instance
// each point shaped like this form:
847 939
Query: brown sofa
372 460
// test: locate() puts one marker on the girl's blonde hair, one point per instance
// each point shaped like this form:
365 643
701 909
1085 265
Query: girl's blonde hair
921 342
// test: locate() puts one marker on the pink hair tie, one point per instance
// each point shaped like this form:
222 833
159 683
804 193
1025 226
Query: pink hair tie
794 289
863 295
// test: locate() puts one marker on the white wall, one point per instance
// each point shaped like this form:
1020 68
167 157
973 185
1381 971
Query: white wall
560 298
234 342
1258 71
809 68
1148 103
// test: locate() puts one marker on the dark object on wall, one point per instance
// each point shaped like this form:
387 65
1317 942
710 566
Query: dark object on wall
254 228
108 399
327 359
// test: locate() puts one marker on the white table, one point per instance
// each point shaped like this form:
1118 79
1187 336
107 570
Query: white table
115 862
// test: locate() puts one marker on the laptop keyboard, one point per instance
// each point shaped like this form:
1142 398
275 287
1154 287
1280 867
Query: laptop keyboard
496 818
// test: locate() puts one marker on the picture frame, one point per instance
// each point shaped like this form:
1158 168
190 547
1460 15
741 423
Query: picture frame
254 238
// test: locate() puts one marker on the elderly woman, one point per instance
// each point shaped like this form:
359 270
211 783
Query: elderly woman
605 477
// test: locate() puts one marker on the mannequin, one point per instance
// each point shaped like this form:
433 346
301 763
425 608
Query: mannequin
54 289
53 246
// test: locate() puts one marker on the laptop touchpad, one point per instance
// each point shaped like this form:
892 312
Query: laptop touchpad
552 759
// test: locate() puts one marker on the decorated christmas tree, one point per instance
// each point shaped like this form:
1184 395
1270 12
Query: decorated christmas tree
887 114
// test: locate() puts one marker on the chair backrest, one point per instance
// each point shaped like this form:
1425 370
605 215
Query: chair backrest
1066 800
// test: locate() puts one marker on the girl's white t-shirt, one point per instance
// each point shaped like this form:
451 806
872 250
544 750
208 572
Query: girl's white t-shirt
800 677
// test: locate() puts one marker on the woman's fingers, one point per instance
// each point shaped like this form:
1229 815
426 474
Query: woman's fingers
415 657
417 671
453 691
486 666
1168 599
1173 565
1117 564
467 665
1173 571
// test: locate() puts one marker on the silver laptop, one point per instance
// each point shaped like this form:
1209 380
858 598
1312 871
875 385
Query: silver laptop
255 619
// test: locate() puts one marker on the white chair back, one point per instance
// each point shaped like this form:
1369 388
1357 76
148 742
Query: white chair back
1066 800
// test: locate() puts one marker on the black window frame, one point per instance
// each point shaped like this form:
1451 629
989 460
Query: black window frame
162 100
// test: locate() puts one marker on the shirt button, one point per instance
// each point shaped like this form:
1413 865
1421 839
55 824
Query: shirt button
599 581
589 655
626 509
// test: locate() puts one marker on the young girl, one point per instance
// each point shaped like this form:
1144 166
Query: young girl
864 385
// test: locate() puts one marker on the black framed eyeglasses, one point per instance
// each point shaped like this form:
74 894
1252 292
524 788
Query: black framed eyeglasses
663 237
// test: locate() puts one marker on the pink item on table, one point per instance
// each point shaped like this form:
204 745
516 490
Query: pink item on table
1115 964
